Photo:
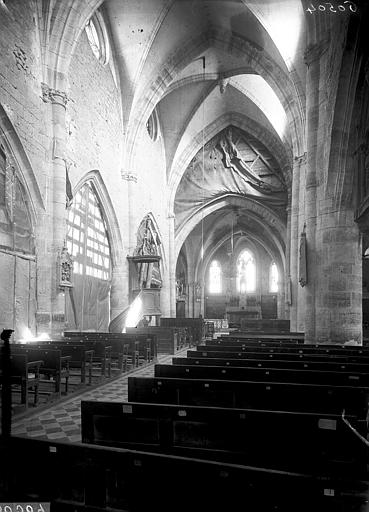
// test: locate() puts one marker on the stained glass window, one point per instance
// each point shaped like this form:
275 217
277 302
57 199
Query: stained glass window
246 272
87 239
273 278
215 277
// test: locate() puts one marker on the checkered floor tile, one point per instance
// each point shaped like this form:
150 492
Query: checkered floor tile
63 421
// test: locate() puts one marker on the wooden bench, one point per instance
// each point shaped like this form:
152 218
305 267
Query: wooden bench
169 339
74 476
263 362
25 376
127 350
250 395
338 378
317 443
80 357
238 353
287 348
54 365
195 327
295 337
102 352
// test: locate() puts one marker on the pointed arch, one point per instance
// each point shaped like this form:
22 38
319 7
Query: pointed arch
254 59
108 211
15 151
268 139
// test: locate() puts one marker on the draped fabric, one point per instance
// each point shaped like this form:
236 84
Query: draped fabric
88 301
302 261
17 262
227 170
87 304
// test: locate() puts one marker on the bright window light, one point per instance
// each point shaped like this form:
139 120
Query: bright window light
215 277
246 272
273 278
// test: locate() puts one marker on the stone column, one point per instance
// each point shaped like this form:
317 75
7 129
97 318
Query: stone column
283 296
300 296
172 266
119 289
131 179
294 242
51 306
339 288
312 60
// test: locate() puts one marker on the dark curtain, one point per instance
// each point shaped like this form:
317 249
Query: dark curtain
87 304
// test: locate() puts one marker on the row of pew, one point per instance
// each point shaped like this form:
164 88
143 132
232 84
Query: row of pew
271 419
261 434
90 358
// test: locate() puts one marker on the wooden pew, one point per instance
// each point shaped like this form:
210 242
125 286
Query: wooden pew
296 337
54 364
250 395
195 327
25 376
169 339
74 476
287 347
300 441
338 378
80 357
102 352
129 351
243 354
327 365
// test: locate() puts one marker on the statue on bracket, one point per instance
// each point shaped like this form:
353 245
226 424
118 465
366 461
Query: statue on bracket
147 239
65 268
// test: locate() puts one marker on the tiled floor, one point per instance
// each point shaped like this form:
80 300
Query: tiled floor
63 421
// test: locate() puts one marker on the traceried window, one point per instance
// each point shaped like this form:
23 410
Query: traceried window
246 272
97 37
273 278
87 239
215 277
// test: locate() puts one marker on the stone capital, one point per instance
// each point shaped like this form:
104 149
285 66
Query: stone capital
313 52
300 159
129 176
53 96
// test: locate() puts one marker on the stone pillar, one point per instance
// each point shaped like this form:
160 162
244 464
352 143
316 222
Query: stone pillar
119 289
294 241
172 265
300 296
312 60
131 179
283 296
339 288
51 306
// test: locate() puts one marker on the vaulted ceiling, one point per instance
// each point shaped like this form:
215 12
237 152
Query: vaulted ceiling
203 66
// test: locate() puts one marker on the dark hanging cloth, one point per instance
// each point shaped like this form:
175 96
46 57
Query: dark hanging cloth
302 261
68 188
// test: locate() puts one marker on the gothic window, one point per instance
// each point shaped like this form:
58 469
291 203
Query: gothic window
87 239
273 278
15 222
97 37
246 272
215 277
152 126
